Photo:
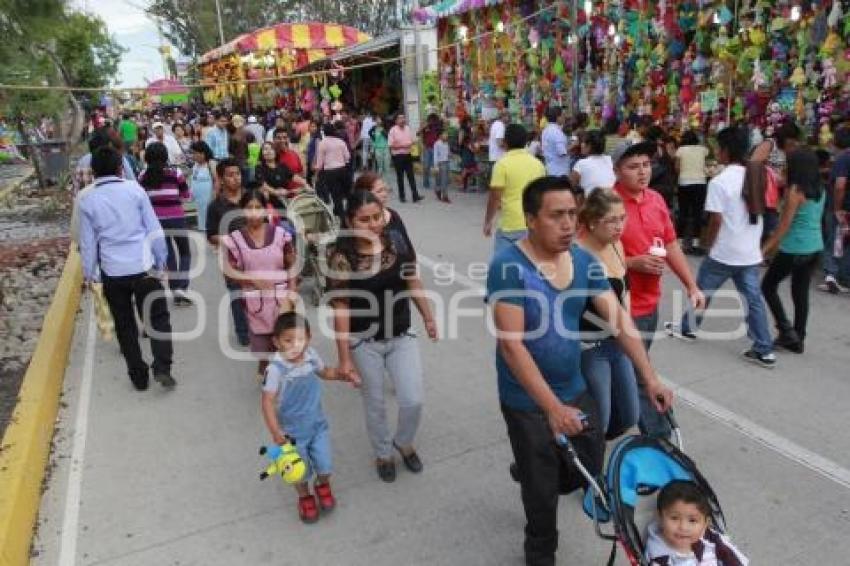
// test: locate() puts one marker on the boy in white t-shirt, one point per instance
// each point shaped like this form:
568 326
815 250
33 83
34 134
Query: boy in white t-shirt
441 166
734 236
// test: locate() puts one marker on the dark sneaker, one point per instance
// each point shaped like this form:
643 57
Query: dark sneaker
140 383
181 300
386 470
764 360
830 285
789 341
411 460
675 330
326 498
164 379
417 198
308 510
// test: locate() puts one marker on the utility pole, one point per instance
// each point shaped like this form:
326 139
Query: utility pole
220 29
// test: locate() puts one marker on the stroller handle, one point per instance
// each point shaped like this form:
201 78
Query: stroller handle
677 431
564 442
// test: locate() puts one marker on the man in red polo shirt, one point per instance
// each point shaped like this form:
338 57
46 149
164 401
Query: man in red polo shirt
289 158
649 241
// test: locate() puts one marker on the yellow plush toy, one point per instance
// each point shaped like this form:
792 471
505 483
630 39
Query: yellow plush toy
105 324
285 461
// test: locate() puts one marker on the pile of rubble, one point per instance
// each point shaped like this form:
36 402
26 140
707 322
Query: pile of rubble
33 248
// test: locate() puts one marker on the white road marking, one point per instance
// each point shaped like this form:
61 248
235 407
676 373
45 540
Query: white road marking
70 521
767 438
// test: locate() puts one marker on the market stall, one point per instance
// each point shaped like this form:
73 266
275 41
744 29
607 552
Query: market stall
267 53
685 63
377 88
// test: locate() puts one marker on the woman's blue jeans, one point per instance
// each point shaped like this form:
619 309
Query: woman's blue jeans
611 379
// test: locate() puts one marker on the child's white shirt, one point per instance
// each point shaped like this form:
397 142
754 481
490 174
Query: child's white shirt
441 152
657 547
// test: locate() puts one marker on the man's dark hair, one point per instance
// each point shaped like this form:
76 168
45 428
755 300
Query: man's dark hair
106 161
842 137
690 138
99 138
595 140
736 142
686 492
217 114
787 131
532 195
282 132
552 114
289 321
222 166
515 136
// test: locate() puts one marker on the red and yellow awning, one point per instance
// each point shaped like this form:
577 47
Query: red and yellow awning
311 41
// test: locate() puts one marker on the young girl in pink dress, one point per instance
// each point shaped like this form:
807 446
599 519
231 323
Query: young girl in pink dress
259 257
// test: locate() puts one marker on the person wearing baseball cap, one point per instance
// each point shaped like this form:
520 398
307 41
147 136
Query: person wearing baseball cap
649 241
256 128
175 153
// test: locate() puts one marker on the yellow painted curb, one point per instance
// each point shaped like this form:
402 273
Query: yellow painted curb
26 443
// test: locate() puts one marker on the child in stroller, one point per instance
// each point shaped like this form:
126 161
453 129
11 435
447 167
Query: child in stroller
681 535
640 466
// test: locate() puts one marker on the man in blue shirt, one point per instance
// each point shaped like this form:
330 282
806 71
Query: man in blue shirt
538 289
553 141
121 244
218 138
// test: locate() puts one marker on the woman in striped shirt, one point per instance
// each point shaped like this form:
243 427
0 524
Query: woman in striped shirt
167 188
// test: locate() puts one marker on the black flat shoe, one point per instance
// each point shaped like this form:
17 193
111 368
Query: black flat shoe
411 461
386 470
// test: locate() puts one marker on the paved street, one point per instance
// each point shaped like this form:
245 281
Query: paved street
160 478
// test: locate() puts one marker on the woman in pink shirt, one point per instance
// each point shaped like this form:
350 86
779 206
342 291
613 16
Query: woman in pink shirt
401 139
333 181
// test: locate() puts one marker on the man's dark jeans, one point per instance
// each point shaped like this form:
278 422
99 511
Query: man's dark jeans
545 472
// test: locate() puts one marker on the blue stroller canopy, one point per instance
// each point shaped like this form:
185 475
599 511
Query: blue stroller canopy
647 467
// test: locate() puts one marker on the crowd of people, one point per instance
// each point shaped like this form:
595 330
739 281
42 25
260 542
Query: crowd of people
601 215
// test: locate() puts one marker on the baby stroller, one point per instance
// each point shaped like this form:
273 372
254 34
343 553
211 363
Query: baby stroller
316 228
638 467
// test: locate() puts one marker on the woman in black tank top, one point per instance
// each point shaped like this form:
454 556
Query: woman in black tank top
609 373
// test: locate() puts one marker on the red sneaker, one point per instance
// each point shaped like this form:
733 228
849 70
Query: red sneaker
326 497
307 509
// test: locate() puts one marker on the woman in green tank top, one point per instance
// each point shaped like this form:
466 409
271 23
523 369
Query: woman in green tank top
799 240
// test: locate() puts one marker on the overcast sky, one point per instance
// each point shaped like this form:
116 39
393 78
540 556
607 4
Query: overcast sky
127 22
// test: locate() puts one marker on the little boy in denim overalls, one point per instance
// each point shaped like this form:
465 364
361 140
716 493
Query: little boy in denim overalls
292 407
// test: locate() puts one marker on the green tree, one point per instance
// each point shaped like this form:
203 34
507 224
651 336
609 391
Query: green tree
89 55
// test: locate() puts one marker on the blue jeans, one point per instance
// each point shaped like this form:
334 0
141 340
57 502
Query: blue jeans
427 164
838 267
611 379
237 311
712 275
503 240
314 446
443 177
651 422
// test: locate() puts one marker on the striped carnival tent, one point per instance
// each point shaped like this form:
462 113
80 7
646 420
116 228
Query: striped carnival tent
273 51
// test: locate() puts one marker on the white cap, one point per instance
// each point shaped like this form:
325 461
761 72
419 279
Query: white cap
252 119
157 125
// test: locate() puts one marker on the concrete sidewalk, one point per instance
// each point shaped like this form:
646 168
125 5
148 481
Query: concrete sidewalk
171 477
